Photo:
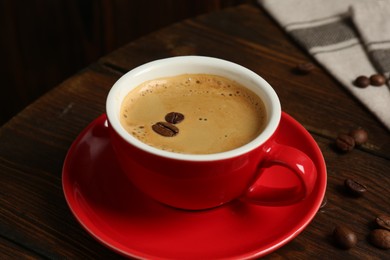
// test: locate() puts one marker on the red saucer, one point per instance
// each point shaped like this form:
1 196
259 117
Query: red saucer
125 220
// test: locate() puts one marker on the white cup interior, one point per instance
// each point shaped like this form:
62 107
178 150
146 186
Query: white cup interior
192 65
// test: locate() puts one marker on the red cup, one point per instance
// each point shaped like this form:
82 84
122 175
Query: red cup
193 181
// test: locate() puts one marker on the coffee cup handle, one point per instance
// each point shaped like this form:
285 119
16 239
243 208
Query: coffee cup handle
299 164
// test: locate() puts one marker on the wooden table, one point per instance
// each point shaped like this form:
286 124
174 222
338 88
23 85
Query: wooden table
35 221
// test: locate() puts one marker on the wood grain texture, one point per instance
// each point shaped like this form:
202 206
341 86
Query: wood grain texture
33 207
35 221
43 42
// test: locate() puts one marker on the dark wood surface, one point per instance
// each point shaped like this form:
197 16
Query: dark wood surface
44 42
35 221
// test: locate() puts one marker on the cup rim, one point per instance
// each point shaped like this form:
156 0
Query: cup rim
258 84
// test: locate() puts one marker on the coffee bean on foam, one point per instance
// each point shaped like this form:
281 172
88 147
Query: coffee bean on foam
165 129
174 117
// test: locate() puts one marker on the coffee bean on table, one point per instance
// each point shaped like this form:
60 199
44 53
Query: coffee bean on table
165 129
354 187
174 117
383 221
304 68
377 80
362 81
345 142
344 237
360 135
380 238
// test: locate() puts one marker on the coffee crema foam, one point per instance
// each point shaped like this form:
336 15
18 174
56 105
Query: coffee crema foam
220 114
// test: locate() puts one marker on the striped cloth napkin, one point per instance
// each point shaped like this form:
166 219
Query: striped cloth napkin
349 38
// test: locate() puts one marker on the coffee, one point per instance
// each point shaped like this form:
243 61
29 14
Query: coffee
219 114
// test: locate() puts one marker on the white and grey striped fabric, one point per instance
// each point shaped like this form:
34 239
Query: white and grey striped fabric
347 37
372 21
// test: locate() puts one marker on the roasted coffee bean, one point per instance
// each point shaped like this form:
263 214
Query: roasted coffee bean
304 68
377 80
174 117
380 238
360 135
362 81
165 129
345 142
354 187
344 237
383 221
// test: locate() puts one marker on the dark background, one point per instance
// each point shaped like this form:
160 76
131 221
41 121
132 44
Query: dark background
45 41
